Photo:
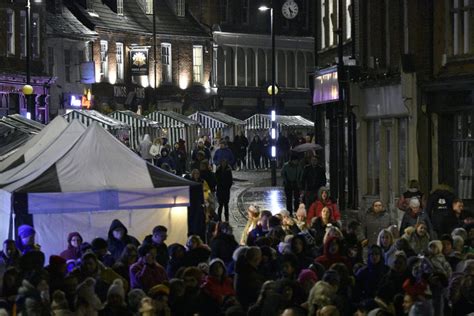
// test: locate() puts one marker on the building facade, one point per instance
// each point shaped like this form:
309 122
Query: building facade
13 58
242 55
383 115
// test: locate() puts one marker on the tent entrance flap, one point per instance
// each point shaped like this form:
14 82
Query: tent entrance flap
62 202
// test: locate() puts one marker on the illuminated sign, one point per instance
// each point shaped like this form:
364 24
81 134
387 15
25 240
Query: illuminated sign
139 62
75 102
326 86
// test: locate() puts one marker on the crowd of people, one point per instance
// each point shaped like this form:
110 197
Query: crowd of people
309 263
175 157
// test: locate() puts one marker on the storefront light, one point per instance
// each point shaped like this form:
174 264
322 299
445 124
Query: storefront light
273 116
274 152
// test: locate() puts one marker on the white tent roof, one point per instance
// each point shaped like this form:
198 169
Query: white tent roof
264 121
14 178
37 144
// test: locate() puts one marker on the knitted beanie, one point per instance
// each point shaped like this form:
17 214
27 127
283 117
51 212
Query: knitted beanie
301 211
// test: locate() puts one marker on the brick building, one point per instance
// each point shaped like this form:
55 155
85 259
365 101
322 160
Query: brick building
13 52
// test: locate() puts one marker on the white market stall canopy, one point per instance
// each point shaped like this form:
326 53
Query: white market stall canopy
177 126
87 117
218 124
34 145
139 126
264 121
86 179
15 130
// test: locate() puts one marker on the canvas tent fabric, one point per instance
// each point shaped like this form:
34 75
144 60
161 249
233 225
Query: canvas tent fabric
139 126
87 117
177 126
217 124
99 179
264 121
23 122
35 145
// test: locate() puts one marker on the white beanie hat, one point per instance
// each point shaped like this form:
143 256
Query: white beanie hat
117 289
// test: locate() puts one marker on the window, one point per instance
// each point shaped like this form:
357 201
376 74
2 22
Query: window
149 6
223 7
10 32
88 51
462 22
104 59
67 64
402 153
332 21
373 157
51 61
120 7
23 34
166 62
197 64
245 11
35 35
324 25
119 61
180 7
463 144
348 19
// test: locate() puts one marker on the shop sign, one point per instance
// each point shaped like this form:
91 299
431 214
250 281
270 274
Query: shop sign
139 62
325 86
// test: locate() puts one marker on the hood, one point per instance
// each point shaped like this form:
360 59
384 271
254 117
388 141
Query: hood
372 249
320 192
328 243
217 261
114 225
71 235
438 244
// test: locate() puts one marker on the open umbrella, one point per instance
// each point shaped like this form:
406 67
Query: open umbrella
306 147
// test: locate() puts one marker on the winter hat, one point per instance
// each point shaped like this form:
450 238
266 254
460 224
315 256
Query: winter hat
458 243
159 289
25 231
116 289
301 211
438 244
284 213
461 232
414 202
86 289
217 260
392 259
59 301
307 275
134 298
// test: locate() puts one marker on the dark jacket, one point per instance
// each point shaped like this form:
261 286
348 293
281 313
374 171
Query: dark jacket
224 183
223 246
210 178
438 206
71 252
256 148
223 153
197 255
291 174
247 283
410 219
162 256
373 223
369 278
313 178
116 246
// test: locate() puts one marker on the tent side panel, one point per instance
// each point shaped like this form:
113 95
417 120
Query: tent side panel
139 223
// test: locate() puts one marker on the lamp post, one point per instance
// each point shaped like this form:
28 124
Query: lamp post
273 92
27 88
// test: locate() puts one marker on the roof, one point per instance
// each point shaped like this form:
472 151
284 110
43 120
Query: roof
27 125
11 138
66 24
135 19
222 117
283 120
176 116
137 117
97 116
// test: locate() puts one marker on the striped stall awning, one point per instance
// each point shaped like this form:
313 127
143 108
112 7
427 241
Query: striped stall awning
218 124
86 117
264 121
177 126
139 126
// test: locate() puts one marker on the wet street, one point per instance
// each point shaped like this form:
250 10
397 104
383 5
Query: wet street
253 187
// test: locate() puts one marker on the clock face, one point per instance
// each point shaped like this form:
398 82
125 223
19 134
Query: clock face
289 9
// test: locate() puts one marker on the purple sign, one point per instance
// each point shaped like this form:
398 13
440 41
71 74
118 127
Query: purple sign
326 87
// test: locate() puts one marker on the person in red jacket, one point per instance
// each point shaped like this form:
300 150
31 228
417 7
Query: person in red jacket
332 254
146 272
217 284
322 201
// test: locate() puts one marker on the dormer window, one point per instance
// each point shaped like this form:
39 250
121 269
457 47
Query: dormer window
180 7
120 7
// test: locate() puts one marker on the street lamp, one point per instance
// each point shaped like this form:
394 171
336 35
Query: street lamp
27 88
273 91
